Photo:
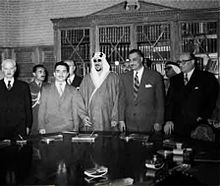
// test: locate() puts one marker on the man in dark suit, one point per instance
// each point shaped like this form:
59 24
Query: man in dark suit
73 78
15 104
141 97
193 95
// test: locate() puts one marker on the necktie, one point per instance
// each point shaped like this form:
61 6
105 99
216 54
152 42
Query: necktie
185 79
9 85
136 85
60 89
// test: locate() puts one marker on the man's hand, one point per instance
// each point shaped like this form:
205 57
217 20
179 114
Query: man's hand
168 128
122 126
87 122
157 127
114 123
42 131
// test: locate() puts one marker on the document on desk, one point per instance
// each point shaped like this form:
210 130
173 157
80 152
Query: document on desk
85 138
120 182
53 138
5 142
138 137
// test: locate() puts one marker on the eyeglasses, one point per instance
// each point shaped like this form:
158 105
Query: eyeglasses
183 62
97 60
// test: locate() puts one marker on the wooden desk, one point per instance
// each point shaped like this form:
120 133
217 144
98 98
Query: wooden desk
63 162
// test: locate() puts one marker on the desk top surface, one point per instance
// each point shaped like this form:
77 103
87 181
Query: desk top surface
63 158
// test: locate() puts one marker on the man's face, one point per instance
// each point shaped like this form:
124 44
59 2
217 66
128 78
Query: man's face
9 69
169 71
40 74
135 61
72 67
98 64
61 73
186 63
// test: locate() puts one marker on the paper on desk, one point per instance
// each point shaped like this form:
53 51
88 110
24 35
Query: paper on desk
121 182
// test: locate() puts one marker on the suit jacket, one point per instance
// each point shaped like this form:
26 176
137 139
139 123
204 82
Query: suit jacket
60 113
141 114
76 81
15 109
187 103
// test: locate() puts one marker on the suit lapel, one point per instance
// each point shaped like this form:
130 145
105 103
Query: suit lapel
65 92
144 79
193 80
55 91
3 84
130 85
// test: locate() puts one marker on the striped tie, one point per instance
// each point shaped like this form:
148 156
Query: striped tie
186 79
60 89
136 85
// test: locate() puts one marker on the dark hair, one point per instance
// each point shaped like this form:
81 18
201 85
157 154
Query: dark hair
62 64
136 51
38 66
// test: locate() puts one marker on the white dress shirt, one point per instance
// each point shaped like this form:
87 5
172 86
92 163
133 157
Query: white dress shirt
140 73
6 80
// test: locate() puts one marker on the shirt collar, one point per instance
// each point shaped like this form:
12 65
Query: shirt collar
60 83
140 73
189 74
71 77
11 81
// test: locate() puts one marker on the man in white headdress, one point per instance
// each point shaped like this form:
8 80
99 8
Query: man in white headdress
99 90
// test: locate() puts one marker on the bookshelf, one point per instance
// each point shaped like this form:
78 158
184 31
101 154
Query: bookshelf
161 33
154 41
114 41
75 45
200 37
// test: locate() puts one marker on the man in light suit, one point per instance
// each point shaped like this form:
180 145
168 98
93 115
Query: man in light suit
15 104
60 104
141 108
193 95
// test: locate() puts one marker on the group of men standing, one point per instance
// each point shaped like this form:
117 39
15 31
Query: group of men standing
105 101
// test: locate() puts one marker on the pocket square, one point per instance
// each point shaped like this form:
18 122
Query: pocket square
196 88
148 85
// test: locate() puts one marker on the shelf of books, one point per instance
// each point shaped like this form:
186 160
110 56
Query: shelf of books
75 45
114 41
154 41
200 37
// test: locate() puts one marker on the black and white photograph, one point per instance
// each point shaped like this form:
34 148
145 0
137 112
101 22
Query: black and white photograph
110 92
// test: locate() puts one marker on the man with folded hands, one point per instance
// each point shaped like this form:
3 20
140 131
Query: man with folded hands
141 97
99 90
